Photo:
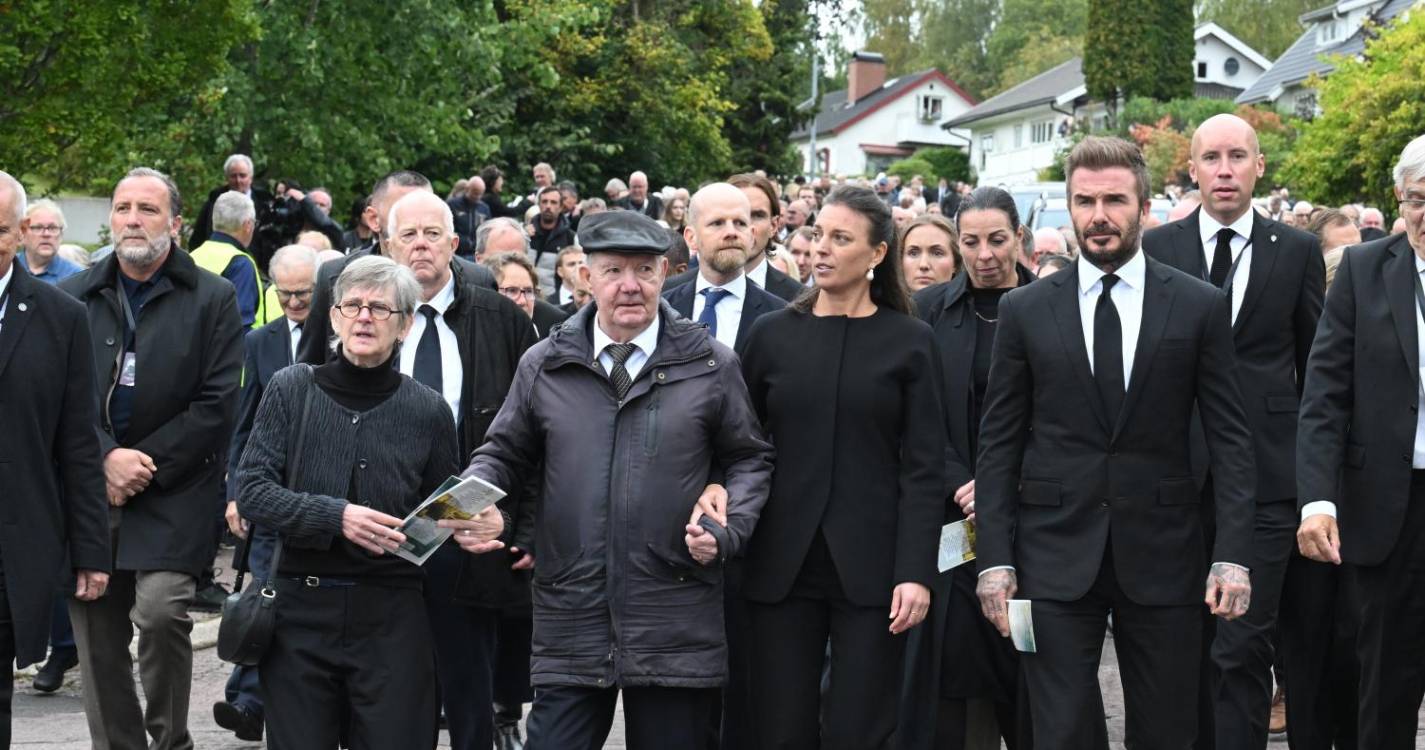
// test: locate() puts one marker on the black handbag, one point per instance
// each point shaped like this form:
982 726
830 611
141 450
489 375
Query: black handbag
250 615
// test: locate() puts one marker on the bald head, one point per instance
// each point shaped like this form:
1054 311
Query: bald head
714 192
1232 126
1226 164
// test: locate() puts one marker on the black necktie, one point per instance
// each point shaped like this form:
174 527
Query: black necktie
427 370
618 374
1222 258
1108 350
711 296
296 341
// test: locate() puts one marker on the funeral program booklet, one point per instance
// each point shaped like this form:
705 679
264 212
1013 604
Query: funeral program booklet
456 498
957 544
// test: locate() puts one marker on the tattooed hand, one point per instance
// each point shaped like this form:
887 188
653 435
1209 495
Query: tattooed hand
1229 591
995 589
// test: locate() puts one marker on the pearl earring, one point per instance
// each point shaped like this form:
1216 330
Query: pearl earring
871 273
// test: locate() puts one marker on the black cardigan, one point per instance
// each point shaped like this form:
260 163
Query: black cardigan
854 406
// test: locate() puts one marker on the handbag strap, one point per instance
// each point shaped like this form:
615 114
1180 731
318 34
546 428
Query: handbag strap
294 455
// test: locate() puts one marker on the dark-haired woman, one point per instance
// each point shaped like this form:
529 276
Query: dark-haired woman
846 545
961 664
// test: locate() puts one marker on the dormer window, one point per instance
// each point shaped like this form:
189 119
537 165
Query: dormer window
1329 31
931 108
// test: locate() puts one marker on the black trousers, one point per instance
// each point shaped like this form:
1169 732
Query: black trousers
579 718
358 655
1318 626
732 725
1236 687
859 707
1159 660
512 644
7 660
1392 634
464 641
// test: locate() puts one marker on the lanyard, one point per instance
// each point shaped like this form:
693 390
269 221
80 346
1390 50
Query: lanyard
124 303
1232 272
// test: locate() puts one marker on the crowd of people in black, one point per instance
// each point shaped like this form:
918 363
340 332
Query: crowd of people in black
730 424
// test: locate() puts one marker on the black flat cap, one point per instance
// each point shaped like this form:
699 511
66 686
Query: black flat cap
627 232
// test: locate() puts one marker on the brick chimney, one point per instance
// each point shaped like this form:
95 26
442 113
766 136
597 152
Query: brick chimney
867 73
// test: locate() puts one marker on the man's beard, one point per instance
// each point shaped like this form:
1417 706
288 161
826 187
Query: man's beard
727 259
145 256
1127 243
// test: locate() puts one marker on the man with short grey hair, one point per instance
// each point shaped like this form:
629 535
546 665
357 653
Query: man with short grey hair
1372 224
226 253
1047 241
1360 456
500 235
167 343
639 199
238 178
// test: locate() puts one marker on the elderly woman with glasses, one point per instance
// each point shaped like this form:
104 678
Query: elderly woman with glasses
517 279
351 655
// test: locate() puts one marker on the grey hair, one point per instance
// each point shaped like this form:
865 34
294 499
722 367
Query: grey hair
380 272
231 210
45 204
17 194
1411 166
615 184
175 201
1056 236
482 235
235 159
293 256
447 217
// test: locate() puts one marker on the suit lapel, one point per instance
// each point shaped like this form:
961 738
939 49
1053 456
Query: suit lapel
1187 244
682 299
18 312
1265 250
1066 315
1399 275
1157 305
751 308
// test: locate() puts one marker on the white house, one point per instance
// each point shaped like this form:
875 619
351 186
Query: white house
1017 133
862 129
1337 29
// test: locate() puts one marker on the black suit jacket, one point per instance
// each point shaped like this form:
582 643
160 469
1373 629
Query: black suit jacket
1056 483
778 283
758 303
546 317
1356 432
265 351
54 507
1272 333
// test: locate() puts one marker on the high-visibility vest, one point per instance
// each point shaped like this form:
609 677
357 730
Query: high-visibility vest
215 257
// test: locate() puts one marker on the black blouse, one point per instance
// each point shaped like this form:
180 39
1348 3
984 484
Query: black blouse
853 407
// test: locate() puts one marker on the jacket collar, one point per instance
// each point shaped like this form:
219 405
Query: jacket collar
105 274
959 285
679 339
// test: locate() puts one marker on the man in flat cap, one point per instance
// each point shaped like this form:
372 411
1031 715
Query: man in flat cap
626 409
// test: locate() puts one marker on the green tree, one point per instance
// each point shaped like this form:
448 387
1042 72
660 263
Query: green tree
948 162
1371 107
1034 36
1173 50
1268 26
74 77
1134 48
766 92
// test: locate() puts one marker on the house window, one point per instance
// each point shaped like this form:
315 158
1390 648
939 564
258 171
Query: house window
1327 32
1231 66
987 145
931 108
1201 69
1042 132
1018 135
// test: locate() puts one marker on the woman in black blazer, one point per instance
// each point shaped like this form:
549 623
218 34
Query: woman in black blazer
958 659
845 381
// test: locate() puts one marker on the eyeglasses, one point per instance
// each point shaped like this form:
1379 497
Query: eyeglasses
286 294
353 309
515 292
1412 204
46 228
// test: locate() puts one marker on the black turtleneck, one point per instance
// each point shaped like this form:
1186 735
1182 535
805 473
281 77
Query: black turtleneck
986 307
358 388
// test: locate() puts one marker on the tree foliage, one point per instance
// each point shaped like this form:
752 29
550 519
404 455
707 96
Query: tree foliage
1137 48
1371 108
1268 26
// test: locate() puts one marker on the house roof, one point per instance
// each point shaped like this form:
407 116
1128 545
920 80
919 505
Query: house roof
1044 88
1241 47
1207 90
835 115
1303 57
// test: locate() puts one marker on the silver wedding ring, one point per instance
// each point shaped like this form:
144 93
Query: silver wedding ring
373 536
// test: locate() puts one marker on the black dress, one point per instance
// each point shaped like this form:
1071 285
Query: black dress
853 405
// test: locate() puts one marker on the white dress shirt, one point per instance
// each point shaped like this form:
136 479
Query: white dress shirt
758 274
1127 296
644 344
5 284
1417 460
1241 252
294 337
728 310
451 371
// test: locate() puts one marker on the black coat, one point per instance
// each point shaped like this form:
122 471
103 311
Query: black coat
759 302
1272 335
468 216
551 241
652 206
1356 433
266 350
54 507
190 362
859 402
1054 477
778 283
546 317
